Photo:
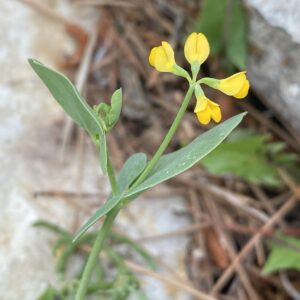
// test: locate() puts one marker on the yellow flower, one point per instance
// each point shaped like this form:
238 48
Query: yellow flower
206 110
162 58
244 91
236 85
196 48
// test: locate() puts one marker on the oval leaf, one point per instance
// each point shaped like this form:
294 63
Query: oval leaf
66 94
179 161
116 106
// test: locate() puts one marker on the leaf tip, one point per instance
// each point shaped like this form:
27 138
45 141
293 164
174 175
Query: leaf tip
117 93
33 62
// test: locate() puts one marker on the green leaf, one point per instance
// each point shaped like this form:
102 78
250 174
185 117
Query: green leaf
181 160
236 42
63 258
110 203
66 94
110 113
102 110
130 171
102 149
52 227
224 24
136 247
211 22
245 157
49 294
132 168
116 106
282 256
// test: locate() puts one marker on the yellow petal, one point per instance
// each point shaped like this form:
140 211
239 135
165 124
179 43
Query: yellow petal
233 84
162 58
201 104
215 111
152 56
196 48
204 116
190 47
244 91
169 52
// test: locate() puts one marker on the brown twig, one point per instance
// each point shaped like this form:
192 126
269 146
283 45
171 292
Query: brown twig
284 209
106 3
230 249
182 231
205 277
191 290
234 199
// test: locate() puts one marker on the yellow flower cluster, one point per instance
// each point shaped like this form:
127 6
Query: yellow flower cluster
196 51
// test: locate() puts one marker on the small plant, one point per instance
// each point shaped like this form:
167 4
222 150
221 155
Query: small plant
252 157
120 286
138 175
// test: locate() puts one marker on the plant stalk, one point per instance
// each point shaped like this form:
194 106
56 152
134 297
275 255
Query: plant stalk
111 176
105 228
100 238
97 247
167 138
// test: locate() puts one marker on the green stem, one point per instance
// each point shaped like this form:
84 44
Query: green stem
100 238
111 176
105 228
97 247
167 138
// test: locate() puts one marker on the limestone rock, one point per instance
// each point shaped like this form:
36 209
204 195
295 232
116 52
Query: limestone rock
274 64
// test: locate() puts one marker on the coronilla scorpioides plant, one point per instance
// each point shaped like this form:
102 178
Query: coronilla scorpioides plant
139 174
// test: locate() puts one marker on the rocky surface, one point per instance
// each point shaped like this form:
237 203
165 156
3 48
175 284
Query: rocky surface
274 65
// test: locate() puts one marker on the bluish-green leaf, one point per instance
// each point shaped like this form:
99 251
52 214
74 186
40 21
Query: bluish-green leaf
110 203
103 152
130 171
66 94
181 160
110 113
132 168
115 109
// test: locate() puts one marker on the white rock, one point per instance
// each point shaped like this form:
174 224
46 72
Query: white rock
274 65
